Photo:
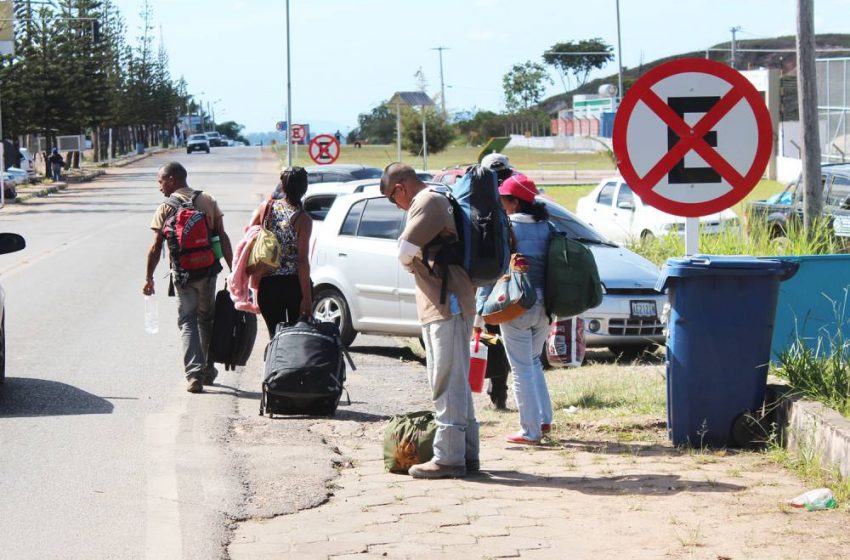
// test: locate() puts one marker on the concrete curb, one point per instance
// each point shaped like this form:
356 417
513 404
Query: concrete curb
812 428
39 191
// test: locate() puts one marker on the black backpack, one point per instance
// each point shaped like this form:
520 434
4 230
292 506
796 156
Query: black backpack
483 244
305 370
233 333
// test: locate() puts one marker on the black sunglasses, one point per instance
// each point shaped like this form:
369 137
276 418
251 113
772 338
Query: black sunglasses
391 196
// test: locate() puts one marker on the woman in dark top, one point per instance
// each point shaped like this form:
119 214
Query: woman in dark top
286 294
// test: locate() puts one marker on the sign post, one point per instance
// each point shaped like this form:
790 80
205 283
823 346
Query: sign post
692 137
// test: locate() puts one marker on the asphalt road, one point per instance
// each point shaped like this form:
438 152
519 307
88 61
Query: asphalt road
103 454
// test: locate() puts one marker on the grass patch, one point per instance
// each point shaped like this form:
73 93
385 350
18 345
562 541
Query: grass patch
521 158
820 369
758 239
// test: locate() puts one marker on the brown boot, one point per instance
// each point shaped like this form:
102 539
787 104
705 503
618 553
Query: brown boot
435 470
195 385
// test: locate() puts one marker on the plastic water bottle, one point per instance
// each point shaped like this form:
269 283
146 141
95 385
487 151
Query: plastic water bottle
216 247
820 498
477 364
151 315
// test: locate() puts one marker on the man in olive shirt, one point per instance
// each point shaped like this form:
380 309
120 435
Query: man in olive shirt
446 325
196 298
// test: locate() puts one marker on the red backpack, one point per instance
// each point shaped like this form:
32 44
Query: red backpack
189 240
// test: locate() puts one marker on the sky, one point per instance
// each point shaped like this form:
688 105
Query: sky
347 56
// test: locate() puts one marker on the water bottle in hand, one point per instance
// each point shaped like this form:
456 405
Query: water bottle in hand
151 315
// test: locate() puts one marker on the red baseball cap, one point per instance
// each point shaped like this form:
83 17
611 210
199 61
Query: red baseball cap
519 186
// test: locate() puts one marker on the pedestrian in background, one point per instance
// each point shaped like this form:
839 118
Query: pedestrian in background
446 325
56 164
287 293
525 336
195 296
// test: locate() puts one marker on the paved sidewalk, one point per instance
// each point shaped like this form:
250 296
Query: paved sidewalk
577 498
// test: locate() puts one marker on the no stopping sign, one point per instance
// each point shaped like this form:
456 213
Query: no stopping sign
692 137
324 149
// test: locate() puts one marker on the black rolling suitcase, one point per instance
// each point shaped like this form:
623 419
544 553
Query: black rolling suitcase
305 370
234 333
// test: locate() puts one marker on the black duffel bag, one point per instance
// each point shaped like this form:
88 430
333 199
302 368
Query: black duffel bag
305 370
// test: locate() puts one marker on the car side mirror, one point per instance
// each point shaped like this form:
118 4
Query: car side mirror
11 242
625 206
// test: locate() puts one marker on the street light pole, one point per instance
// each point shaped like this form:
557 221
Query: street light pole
734 30
288 94
619 59
442 82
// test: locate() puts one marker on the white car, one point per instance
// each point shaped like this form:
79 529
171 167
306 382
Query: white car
360 285
9 243
197 143
27 162
615 211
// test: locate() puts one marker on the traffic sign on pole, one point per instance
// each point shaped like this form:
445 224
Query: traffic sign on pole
324 149
298 132
281 126
692 137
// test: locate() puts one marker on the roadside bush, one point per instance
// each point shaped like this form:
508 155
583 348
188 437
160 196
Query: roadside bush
439 131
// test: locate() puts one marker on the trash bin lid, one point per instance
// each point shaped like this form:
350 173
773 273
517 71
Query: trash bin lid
724 265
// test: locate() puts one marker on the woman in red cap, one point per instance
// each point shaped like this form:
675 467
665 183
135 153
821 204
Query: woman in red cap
525 336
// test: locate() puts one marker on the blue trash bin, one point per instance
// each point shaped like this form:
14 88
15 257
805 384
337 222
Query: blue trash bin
721 322
140 148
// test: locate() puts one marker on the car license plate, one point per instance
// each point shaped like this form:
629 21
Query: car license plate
841 225
644 309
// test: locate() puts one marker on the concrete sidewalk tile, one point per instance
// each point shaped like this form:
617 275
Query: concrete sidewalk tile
483 549
441 538
257 551
432 502
329 548
401 508
478 529
527 511
402 528
518 543
408 550
435 519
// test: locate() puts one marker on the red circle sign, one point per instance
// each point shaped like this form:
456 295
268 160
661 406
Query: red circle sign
298 133
692 137
324 149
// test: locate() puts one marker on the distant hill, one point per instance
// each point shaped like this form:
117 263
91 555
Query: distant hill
786 61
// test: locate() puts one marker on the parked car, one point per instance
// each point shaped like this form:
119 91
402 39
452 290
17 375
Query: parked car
449 176
341 173
214 138
9 243
785 210
618 213
198 143
27 162
360 285
320 196
424 175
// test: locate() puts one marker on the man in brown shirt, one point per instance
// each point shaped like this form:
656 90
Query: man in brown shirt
196 298
446 324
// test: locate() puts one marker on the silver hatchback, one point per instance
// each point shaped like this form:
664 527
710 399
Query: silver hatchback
360 285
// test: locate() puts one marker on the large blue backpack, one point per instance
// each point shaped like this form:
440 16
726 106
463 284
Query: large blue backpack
483 247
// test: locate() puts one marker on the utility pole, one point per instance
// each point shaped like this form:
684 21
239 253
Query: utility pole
808 103
733 30
442 83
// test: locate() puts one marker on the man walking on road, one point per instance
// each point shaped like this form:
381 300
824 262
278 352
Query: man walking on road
195 290
446 324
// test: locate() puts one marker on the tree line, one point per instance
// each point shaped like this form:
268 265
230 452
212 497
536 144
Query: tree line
74 72
523 86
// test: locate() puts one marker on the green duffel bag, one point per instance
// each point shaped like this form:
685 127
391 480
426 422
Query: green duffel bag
572 279
409 440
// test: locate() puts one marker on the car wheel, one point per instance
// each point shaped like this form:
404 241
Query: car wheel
631 353
3 349
188 151
329 306
207 150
